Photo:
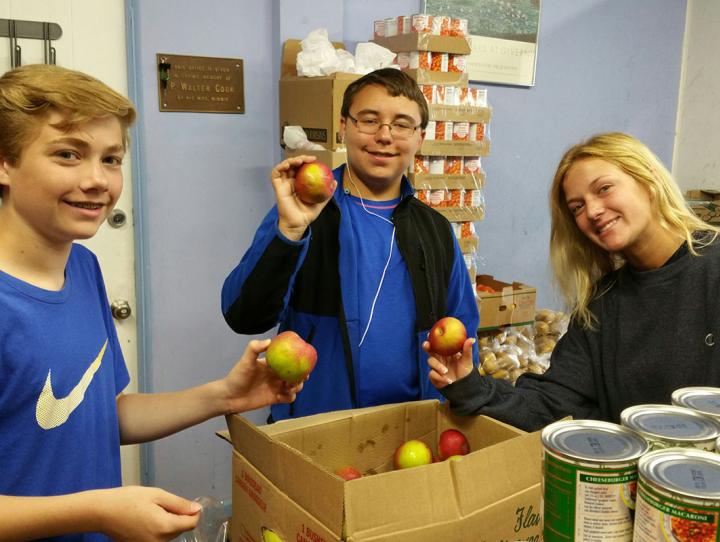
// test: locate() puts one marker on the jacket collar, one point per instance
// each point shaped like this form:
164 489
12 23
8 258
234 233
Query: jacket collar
406 189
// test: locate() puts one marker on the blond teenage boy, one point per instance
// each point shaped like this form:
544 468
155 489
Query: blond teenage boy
63 413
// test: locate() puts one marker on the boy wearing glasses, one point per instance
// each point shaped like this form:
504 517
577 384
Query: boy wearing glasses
364 275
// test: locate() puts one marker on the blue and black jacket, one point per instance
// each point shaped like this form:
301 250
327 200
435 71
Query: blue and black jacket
309 286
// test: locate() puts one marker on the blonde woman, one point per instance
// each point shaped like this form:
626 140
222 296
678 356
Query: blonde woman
641 274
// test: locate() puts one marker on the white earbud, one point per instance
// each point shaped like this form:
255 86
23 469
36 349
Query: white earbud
387 263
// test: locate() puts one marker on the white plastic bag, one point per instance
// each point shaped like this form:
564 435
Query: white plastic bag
295 137
212 525
319 57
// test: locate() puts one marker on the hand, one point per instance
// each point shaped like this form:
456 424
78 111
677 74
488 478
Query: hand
145 514
252 384
294 215
445 370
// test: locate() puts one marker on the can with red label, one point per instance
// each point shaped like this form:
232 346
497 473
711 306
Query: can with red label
421 23
678 496
379 29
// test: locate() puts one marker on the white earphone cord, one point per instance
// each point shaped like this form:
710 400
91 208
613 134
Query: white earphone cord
387 263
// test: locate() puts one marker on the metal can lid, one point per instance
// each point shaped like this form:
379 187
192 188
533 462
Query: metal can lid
592 440
701 398
670 422
683 471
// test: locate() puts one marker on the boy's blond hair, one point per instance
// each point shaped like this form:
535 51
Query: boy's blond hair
29 93
577 262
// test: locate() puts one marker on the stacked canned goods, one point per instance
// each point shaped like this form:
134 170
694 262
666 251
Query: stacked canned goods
589 482
678 496
703 399
666 426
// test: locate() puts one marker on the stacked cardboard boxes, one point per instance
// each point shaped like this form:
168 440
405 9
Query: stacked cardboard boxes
447 173
314 104
503 304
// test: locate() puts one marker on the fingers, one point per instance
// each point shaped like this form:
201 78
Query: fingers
286 167
439 380
437 365
176 504
289 393
257 347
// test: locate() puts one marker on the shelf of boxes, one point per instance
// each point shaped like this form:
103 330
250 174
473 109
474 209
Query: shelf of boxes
447 172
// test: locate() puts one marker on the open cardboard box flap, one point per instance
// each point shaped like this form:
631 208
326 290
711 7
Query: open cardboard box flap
299 456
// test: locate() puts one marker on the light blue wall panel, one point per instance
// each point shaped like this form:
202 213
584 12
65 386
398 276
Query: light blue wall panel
602 65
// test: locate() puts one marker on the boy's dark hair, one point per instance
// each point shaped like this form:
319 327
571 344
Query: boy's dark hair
396 82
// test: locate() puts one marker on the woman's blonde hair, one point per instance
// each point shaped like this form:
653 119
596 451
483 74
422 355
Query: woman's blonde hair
577 262
29 93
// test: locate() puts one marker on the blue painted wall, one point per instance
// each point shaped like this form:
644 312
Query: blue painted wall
203 178
602 65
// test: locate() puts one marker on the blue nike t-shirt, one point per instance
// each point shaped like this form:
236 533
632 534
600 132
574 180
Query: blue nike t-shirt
387 368
61 369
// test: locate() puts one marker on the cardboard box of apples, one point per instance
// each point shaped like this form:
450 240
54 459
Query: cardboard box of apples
289 477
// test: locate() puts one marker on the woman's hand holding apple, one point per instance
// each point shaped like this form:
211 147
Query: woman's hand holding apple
445 370
294 215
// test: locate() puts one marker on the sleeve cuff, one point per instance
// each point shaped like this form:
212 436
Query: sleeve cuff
301 242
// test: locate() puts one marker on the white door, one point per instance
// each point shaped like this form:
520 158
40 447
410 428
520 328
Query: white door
93 41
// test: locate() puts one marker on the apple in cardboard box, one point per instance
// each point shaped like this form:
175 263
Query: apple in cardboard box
412 453
314 182
447 336
290 357
348 473
452 443
268 535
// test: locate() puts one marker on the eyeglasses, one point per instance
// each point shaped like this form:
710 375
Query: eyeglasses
398 129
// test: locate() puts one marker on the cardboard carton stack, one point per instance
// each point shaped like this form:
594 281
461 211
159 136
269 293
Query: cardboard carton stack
447 173
283 479
314 104
504 304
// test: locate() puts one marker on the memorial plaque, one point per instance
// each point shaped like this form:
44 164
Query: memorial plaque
200 84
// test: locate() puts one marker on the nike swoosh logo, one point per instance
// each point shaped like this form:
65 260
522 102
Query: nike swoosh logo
52 412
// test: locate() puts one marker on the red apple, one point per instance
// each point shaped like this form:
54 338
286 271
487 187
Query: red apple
452 442
313 182
348 473
447 336
412 453
290 357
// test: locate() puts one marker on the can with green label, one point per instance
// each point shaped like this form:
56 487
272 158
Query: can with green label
678 496
589 481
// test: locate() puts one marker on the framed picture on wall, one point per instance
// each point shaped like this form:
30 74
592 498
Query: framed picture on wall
504 37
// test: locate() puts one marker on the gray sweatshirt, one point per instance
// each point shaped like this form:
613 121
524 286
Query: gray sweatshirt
657 332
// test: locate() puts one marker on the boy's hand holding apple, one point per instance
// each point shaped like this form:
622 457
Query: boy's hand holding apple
295 214
252 384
